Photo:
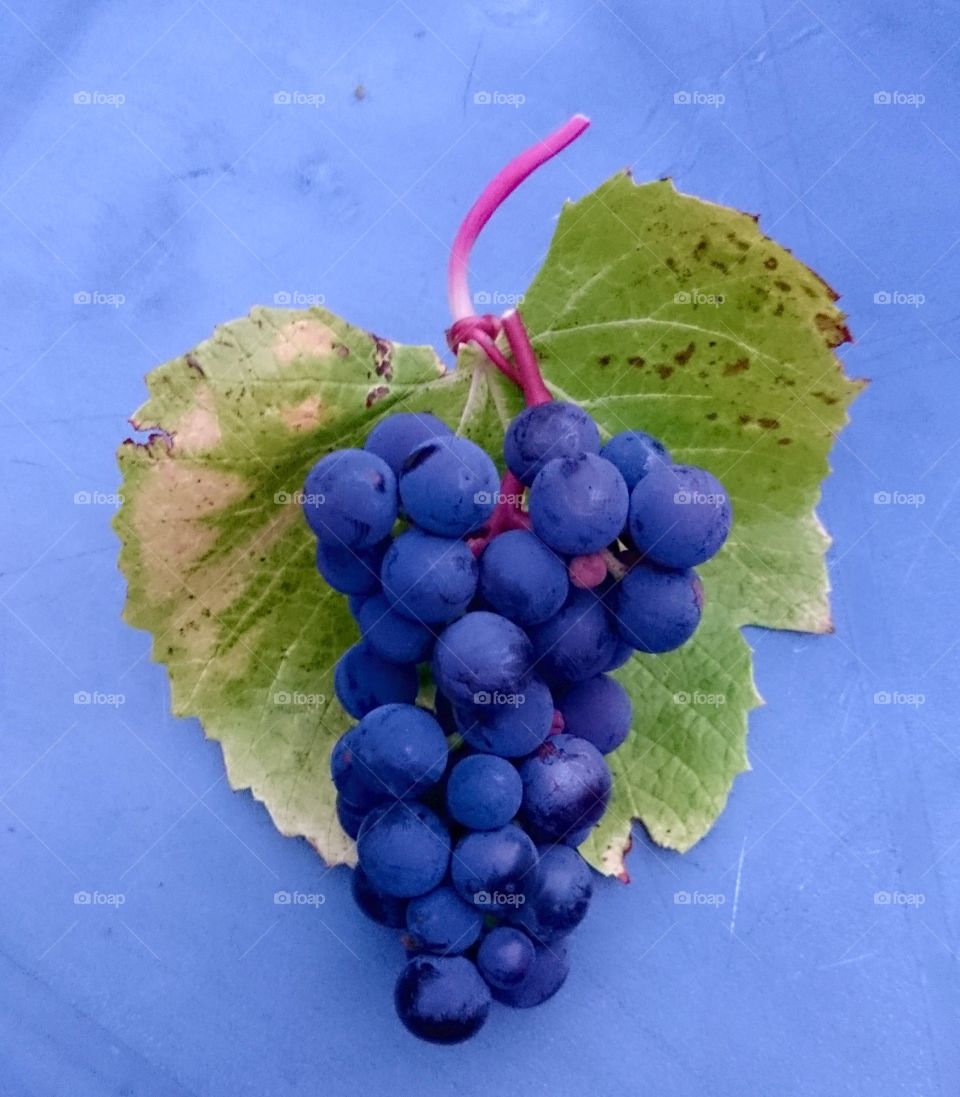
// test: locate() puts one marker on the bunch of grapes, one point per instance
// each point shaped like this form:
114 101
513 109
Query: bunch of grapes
467 816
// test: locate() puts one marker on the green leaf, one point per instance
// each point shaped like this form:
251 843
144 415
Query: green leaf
220 565
661 311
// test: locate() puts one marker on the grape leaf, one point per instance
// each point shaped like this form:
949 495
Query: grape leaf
654 310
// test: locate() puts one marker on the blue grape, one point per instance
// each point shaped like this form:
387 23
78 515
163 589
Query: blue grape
364 681
505 957
679 516
442 999
634 453
622 653
350 816
351 499
656 610
579 505
391 635
546 976
449 486
404 849
575 644
355 604
546 432
397 436
385 910
561 896
481 655
441 921
484 792
522 579
400 749
491 868
512 724
350 778
566 786
351 571
597 710
429 579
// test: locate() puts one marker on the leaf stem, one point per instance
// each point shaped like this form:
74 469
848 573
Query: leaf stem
503 184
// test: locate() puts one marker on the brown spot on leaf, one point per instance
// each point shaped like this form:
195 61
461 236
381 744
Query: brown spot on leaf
770 262
302 416
665 371
781 285
194 363
769 424
342 350
732 368
172 509
376 394
744 419
304 338
198 430
778 311
701 247
833 328
382 357
826 398
784 441
603 360
711 415
684 356
636 361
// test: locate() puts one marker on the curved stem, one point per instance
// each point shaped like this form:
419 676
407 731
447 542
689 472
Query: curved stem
500 187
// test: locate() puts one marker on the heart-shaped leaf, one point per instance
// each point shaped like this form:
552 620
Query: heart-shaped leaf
654 310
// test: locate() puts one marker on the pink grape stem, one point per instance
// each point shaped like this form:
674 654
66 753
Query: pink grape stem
482 331
503 184
530 379
507 514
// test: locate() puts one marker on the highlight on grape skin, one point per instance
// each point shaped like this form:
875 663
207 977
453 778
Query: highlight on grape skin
492 616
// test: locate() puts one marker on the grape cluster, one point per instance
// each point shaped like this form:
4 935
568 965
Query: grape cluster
467 816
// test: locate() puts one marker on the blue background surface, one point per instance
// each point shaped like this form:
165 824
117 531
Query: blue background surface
197 197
